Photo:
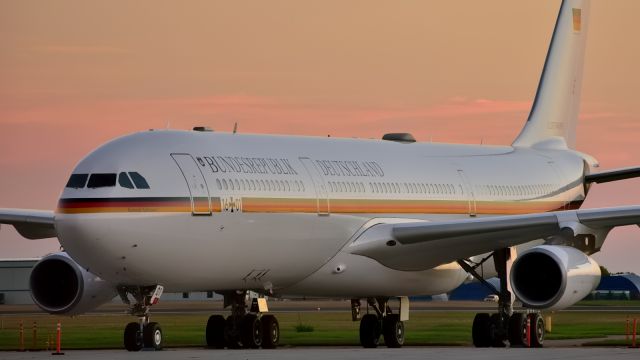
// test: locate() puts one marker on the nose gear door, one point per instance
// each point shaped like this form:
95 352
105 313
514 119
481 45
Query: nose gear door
198 189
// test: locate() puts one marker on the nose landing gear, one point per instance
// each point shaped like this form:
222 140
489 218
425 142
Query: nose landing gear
142 334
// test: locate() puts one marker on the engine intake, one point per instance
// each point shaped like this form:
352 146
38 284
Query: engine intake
60 286
553 277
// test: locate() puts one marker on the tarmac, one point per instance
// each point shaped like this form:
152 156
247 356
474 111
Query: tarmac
347 353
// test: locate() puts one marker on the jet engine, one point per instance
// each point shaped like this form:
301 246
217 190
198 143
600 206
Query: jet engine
60 286
553 277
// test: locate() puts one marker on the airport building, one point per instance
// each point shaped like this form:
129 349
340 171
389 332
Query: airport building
14 281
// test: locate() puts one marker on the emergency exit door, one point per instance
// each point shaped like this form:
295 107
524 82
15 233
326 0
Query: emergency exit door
322 194
198 190
468 192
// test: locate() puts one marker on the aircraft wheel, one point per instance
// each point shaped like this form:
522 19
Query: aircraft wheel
481 330
369 331
231 334
132 337
393 331
517 329
215 332
537 330
270 332
152 336
251 330
497 334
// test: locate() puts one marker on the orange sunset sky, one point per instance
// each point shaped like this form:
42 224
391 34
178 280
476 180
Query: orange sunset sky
75 74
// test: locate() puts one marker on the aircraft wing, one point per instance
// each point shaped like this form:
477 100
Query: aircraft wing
32 224
424 245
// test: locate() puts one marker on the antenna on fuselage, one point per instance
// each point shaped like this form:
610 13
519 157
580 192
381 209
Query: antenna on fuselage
235 127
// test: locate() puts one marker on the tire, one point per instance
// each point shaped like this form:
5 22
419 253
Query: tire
232 334
497 332
370 331
393 331
270 332
537 330
251 331
517 330
481 330
214 333
152 336
132 337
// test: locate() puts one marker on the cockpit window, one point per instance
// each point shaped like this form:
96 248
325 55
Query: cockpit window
77 181
124 181
139 180
101 180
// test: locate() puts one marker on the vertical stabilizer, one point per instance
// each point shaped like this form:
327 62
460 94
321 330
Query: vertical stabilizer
554 113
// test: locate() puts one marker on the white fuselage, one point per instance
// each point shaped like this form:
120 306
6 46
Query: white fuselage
231 211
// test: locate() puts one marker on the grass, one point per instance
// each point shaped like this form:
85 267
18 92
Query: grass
608 303
329 328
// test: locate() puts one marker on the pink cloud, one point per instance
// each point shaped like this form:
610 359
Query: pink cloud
81 49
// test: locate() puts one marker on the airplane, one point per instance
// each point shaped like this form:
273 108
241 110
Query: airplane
258 216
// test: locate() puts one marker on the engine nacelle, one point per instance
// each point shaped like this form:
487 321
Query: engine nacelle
60 286
553 277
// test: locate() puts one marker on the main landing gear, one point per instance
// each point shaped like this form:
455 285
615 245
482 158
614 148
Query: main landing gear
495 330
142 334
383 322
250 329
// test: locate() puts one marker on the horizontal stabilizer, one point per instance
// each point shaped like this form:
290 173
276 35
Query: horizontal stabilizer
613 175
32 224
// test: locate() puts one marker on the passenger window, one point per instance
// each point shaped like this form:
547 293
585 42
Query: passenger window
219 184
101 180
77 181
139 180
124 181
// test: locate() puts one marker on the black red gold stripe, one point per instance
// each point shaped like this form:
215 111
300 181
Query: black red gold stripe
134 204
309 205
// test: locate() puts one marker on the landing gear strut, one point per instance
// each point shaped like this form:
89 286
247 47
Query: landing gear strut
244 328
494 330
142 334
383 322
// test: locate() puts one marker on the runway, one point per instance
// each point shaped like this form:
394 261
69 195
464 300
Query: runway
348 353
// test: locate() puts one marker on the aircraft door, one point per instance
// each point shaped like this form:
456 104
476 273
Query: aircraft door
322 195
198 190
468 192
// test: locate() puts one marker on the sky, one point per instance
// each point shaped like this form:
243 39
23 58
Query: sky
77 73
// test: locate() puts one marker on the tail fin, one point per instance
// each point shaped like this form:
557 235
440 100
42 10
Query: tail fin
554 113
